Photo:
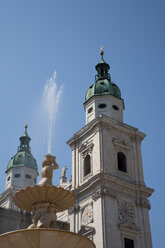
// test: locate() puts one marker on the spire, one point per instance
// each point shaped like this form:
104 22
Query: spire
102 53
24 141
26 126
102 68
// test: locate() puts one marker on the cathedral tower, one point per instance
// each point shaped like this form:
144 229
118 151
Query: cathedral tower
22 171
107 174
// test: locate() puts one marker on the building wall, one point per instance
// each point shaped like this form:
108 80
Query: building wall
11 220
21 177
111 203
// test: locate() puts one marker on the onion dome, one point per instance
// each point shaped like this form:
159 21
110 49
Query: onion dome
103 84
23 158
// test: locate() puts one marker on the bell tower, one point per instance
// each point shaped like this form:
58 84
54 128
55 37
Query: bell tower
22 171
103 97
107 173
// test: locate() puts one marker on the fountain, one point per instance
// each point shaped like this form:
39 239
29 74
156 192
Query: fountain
44 201
51 98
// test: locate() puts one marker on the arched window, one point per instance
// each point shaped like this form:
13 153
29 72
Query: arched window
87 165
121 160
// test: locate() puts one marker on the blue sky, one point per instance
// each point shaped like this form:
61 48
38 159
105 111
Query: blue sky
39 37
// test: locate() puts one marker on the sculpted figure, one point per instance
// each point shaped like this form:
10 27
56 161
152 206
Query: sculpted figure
44 216
49 164
64 171
45 212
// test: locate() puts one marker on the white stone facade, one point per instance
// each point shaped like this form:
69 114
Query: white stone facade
107 105
16 179
112 204
20 177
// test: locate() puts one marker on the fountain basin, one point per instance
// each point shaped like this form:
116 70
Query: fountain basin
27 198
44 237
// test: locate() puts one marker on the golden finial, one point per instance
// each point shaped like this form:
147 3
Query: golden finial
101 50
26 125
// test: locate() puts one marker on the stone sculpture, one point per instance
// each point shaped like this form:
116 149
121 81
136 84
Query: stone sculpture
44 201
49 164
64 171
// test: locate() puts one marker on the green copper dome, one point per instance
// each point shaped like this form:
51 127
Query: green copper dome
23 157
103 84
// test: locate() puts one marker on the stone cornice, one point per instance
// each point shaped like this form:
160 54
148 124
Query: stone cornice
104 191
93 99
114 184
107 122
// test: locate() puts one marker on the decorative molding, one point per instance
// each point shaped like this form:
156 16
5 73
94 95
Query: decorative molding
75 209
143 203
106 125
103 191
86 231
97 128
122 143
129 228
126 212
73 147
87 214
86 148
97 194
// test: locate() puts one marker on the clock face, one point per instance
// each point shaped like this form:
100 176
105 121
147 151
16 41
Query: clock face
87 215
125 211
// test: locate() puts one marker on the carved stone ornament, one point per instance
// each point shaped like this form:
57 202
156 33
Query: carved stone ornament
86 231
97 128
87 215
126 212
97 194
123 143
129 227
86 148
103 191
143 203
75 209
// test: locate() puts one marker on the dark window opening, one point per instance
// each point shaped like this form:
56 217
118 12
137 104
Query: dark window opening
128 243
87 165
115 107
121 159
90 110
28 176
17 175
35 180
8 179
102 105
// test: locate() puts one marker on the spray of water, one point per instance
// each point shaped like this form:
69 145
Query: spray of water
51 98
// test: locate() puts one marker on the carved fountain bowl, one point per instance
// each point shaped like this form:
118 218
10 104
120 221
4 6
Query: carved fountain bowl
41 238
61 198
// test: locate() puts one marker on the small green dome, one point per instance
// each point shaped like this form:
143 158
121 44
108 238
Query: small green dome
103 84
103 87
23 157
